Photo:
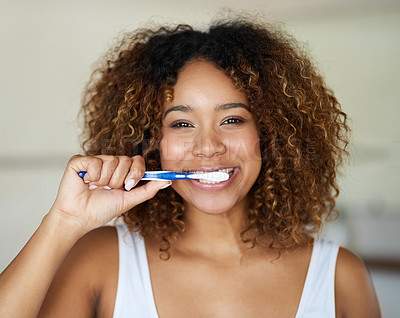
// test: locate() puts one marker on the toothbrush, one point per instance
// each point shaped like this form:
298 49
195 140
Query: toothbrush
169 175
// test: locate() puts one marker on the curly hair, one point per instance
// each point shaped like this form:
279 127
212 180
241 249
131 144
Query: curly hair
303 131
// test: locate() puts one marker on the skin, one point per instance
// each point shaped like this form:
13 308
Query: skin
208 126
76 263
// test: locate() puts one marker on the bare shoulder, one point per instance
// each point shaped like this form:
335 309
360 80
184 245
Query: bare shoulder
90 268
95 251
97 243
355 293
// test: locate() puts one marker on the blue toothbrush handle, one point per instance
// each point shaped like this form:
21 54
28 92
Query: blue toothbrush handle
82 174
164 175
154 175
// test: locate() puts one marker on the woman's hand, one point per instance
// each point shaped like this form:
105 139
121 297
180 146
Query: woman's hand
78 208
101 196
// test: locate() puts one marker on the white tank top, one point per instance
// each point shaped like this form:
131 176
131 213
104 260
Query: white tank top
135 295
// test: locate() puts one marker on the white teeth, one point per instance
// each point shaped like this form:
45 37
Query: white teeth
207 181
227 170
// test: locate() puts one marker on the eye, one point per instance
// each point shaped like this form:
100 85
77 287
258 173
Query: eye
180 124
233 121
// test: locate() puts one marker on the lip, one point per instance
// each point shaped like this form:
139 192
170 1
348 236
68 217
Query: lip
207 169
217 186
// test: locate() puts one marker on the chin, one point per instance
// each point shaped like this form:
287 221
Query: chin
213 207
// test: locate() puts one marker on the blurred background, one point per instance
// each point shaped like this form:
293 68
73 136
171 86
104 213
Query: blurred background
48 49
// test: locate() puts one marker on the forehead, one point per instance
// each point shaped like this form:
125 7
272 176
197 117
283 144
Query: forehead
201 84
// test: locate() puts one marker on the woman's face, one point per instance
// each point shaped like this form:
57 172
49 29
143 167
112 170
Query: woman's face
208 127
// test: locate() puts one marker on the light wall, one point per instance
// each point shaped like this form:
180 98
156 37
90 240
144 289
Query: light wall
48 49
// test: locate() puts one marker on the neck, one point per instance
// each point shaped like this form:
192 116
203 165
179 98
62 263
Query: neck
215 236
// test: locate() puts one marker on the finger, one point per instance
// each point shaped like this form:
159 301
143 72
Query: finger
91 165
144 192
136 172
107 170
121 171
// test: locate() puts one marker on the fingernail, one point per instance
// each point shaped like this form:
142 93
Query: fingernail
166 186
92 187
129 184
86 181
107 188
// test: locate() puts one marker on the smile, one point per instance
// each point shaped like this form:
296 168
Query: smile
229 171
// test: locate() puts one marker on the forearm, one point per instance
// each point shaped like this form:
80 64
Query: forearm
76 211
24 283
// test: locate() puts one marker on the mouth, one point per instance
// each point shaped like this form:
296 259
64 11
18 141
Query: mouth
229 171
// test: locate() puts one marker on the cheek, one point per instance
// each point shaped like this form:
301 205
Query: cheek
246 148
173 149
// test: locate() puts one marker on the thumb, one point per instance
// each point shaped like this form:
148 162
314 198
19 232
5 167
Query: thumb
144 192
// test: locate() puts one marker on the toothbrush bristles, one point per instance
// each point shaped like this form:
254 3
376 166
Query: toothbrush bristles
211 176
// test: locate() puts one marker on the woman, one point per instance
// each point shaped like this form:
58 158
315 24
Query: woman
239 98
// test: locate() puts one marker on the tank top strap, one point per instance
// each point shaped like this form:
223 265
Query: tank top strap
318 297
135 296
134 292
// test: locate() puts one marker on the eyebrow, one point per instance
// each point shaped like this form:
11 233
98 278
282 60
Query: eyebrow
231 105
187 108
180 108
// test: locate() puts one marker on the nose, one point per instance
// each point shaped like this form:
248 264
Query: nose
208 143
